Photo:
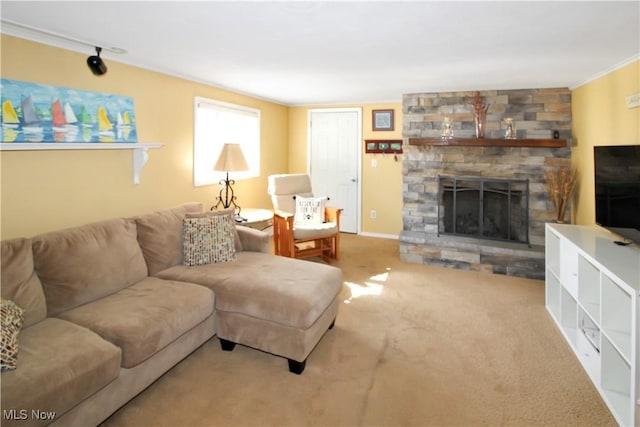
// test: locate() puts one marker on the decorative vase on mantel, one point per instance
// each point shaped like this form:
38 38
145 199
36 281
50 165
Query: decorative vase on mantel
481 118
480 108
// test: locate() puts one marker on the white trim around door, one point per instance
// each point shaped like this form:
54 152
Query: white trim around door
355 150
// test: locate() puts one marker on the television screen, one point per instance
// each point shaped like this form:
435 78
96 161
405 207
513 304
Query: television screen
617 182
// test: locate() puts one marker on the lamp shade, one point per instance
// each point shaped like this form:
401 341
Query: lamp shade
231 159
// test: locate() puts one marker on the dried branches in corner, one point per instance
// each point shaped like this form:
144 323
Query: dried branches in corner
561 183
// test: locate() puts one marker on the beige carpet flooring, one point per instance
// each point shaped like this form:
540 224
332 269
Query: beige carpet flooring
413 346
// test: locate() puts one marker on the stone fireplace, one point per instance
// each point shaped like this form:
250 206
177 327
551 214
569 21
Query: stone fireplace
498 186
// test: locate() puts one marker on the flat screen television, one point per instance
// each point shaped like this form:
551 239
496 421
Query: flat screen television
617 185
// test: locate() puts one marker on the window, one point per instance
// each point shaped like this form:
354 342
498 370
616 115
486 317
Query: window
217 123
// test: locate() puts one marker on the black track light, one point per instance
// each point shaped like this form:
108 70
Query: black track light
96 65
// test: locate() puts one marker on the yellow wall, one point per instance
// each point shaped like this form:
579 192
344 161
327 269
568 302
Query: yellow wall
381 186
600 117
48 190
43 191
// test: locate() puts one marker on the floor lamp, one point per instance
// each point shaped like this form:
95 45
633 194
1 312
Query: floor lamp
231 159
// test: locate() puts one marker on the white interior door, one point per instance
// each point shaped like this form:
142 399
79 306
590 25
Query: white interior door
334 143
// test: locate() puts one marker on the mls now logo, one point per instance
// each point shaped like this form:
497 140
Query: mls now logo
23 414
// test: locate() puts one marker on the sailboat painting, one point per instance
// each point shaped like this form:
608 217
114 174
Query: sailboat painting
33 112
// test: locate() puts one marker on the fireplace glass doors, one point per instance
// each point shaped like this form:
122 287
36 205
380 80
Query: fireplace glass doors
484 208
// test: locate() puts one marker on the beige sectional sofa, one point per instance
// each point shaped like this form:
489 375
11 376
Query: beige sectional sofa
109 307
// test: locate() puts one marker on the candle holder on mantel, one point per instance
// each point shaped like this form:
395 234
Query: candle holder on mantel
447 130
480 108
510 128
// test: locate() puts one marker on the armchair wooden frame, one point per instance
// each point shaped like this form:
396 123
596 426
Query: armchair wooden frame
327 247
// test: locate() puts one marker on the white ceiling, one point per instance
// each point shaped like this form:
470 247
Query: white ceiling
304 52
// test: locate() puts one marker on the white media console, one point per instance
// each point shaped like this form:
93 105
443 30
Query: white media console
592 290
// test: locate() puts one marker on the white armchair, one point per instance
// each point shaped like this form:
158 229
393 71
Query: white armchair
299 238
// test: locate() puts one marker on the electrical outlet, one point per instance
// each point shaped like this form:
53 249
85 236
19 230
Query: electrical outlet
373 214
374 163
633 101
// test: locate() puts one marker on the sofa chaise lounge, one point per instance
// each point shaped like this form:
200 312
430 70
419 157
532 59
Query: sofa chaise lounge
109 307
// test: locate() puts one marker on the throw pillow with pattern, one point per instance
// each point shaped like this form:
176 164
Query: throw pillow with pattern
10 327
208 238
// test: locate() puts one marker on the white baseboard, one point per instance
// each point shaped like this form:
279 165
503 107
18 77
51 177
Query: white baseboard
380 235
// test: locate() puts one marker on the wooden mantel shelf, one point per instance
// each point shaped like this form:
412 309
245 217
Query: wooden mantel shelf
475 142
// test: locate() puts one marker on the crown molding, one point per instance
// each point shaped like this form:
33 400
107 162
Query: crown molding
52 38
606 71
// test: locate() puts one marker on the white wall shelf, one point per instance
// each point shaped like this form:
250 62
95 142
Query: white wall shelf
140 150
592 293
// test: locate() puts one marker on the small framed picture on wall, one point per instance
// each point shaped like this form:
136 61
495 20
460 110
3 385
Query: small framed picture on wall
382 119
383 146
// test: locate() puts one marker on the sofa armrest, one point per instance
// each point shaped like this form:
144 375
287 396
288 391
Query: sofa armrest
253 240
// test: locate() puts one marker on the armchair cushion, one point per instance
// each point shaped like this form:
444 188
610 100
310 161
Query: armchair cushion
283 187
309 210
314 231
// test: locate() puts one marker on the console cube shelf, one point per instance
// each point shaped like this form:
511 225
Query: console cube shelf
591 292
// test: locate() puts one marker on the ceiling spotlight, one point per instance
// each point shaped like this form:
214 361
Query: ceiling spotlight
96 65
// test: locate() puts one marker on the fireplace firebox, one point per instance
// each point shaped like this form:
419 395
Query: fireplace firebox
484 208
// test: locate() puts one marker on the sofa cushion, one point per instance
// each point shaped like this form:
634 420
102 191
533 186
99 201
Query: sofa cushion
288 291
61 364
209 238
20 283
11 319
146 316
160 236
82 264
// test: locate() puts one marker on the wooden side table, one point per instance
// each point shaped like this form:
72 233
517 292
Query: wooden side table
259 219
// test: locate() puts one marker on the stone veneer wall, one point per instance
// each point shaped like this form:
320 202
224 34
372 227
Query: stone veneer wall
537 113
